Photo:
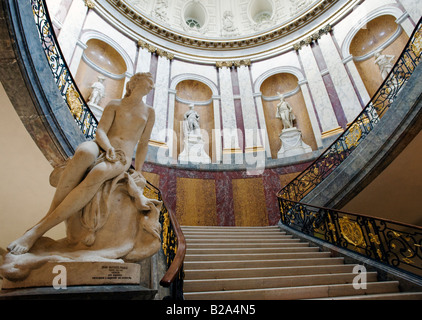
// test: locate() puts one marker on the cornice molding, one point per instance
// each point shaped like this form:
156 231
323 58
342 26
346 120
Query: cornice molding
224 44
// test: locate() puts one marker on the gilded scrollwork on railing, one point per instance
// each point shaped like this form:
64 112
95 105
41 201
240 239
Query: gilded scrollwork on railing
83 116
392 243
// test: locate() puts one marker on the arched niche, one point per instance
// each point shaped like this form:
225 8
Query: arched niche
101 59
286 84
379 34
198 93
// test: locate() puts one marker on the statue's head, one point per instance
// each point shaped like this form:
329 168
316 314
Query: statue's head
141 80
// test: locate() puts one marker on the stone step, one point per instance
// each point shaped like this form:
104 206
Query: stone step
190 237
255 256
192 265
238 233
242 240
250 250
384 296
216 245
229 228
192 274
295 293
271 282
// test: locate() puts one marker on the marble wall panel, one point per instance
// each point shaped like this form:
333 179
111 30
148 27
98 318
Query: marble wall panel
249 202
196 202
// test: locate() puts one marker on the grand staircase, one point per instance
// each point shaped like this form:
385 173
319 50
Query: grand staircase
264 263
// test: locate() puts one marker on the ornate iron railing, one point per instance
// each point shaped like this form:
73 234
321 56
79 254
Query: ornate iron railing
173 245
83 116
389 242
370 116
173 242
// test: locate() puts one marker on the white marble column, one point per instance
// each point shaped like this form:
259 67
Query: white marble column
217 130
319 93
357 79
250 121
161 100
144 60
77 56
71 29
311 112
261 117
228 115
406 24
344 87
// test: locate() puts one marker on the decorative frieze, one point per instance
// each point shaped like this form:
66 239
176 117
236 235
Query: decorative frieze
237 63
314 37
90 4
153 49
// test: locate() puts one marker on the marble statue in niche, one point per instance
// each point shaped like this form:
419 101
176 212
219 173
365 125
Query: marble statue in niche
97 93
99 196
193 142
384 63
285 112
291 137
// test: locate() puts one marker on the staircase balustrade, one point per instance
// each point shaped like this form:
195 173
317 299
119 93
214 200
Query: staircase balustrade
393 243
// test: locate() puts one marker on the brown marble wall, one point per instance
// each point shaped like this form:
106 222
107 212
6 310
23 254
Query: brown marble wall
368 39
284 83
223 198
107 58
192 90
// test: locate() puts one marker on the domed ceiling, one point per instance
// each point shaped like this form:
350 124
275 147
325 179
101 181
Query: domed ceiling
222 25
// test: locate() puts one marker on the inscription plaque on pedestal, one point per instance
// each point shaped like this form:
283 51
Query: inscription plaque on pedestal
79 273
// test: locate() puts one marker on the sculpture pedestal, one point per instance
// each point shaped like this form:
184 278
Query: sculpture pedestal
96 110
292 143
78 273
194 150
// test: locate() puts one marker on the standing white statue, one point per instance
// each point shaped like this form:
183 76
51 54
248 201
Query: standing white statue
98 196
291 137
285 112
193 142
385 63
98 91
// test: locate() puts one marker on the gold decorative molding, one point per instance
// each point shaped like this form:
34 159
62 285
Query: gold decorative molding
314 37
152 49
90 4
332 132
237 63
226 44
